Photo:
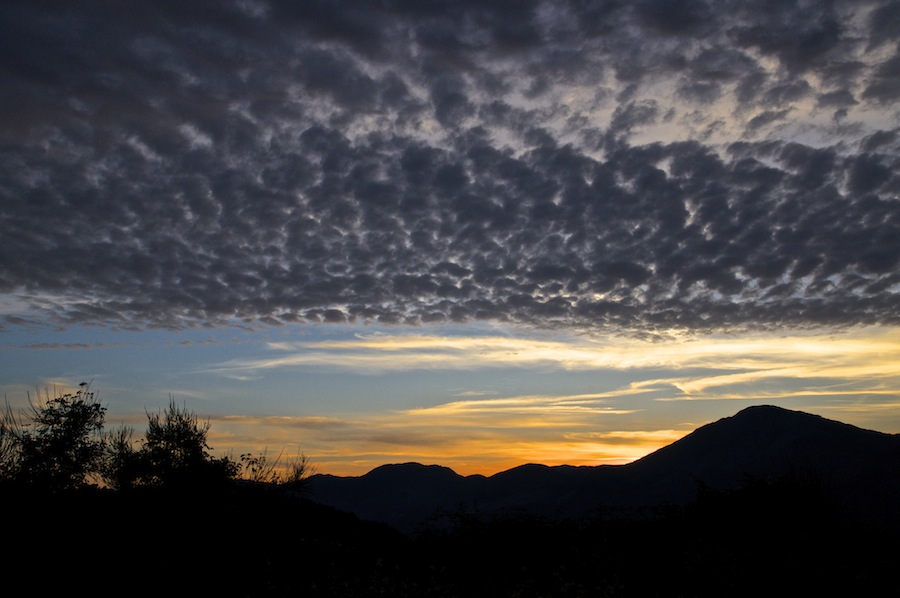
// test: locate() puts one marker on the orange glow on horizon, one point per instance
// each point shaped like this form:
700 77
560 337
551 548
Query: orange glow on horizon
355 448
475 430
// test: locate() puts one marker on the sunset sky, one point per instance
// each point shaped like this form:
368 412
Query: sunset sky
472 233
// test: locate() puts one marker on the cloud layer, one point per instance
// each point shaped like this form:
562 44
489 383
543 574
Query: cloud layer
485 429
698 369
647 165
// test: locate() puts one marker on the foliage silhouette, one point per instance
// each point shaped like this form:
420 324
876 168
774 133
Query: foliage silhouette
175 454
60 447
121 467
262 470
9 444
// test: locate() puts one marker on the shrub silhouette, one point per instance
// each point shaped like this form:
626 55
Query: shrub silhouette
174 454
60 445
9 445
60 448
262 470
121 465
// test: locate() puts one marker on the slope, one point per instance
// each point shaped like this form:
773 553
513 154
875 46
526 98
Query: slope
861 468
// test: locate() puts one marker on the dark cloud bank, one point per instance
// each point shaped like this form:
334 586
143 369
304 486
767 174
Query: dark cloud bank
637 164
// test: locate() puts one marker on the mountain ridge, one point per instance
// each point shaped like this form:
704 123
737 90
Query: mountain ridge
860 466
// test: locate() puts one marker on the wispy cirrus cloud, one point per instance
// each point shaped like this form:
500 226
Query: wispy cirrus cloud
523 412
695 367
870 353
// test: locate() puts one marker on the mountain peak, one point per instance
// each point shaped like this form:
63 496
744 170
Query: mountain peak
399 472
773 411
763 441
773 420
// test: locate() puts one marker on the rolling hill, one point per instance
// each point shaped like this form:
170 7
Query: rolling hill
859 468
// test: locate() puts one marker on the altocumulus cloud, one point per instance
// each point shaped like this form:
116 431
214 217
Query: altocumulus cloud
649 165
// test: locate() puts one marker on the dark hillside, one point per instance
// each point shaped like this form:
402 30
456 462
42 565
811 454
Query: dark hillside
764 440
397 494
766 538
242 542
862 466
781 538
859 467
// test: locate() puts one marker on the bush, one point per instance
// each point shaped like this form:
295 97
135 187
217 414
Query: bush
60 445
174 454
10 446
61 448
121 466
260 469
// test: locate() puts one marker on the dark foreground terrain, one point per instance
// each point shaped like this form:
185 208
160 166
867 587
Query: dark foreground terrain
787 533
768 538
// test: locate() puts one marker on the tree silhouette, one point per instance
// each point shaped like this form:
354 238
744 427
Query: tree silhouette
9 444
121 465
174 454
64 448
59 444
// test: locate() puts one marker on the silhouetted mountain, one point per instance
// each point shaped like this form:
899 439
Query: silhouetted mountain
860 468
768 441
397 494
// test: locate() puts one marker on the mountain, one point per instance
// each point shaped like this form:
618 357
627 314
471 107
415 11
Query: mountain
859 468
399 495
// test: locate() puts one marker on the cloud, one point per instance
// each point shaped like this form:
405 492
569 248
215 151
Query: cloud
590 165
44 346
353 445
712 367
478 430
527 411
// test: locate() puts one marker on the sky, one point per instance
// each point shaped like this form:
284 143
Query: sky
471 233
